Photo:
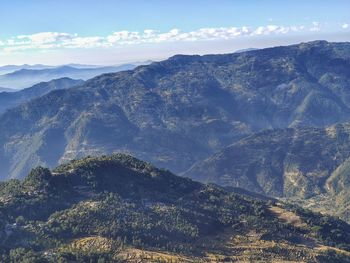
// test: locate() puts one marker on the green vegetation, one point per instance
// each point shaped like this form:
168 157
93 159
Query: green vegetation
100 209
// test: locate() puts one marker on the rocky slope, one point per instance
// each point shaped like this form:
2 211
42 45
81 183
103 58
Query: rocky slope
120 209
180 110
309 164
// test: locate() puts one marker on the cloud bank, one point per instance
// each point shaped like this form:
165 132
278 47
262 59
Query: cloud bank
57 40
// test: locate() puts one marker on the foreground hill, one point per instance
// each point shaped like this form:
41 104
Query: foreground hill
14 98
117 208
309 164
180 110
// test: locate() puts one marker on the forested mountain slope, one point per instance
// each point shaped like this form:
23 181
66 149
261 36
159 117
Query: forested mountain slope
180 110
308 164
120 209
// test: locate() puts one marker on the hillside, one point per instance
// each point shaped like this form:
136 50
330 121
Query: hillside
309 165
120 209
14 98
181 110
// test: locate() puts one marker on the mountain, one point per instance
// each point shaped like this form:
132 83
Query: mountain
6 90
12 99
121 67
75 65
246 50
12 68
120 209
181 110
307 165
24 78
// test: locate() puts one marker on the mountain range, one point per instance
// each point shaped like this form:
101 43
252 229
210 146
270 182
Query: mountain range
181 110
27 76
272 121
12 68
120 209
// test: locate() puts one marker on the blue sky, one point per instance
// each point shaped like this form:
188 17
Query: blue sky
115 31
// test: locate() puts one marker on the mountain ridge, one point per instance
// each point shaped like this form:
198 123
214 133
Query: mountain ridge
309 165
203 103
14 98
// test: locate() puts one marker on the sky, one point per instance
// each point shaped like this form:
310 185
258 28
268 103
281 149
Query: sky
110 32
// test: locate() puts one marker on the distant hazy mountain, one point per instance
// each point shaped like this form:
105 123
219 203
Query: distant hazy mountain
6 90
74 65
181 110
11 68
246 50
120 67
120 209
24 78
14 98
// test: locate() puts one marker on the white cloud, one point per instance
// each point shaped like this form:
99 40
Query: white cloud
45 37
316 27
345 26
274 29
259 31
124 37
57 40
84 42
